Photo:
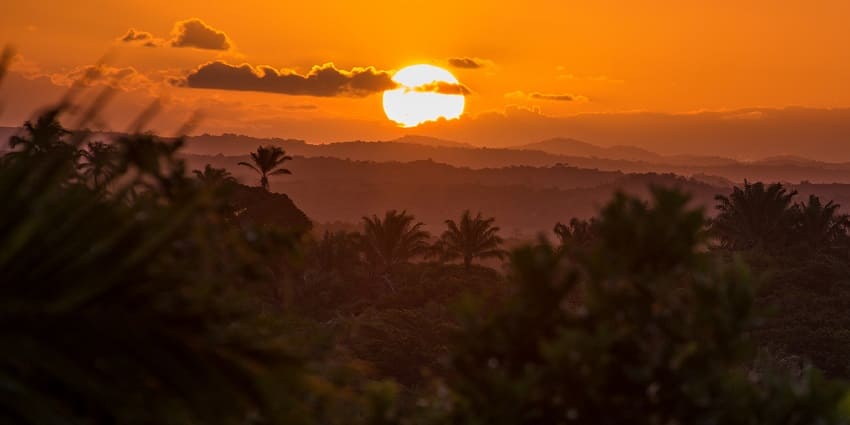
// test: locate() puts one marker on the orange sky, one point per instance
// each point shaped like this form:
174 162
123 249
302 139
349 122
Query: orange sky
609 57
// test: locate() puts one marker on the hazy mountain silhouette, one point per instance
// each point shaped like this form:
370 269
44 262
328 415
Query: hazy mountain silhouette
573 147
792 169
743 134
236 144
584 155
431 141
525 200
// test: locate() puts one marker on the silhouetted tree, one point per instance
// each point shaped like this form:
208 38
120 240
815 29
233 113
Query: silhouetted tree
212 176
391 241
266 161
470 238
577 234
819 227
755 216
98 163
42 135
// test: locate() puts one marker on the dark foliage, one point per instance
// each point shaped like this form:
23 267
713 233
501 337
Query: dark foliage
133 299
659 336
755 217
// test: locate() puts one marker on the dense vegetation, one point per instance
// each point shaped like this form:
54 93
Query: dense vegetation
134 290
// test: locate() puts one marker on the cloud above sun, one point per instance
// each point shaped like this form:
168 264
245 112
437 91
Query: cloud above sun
321 81
444 87
558 97
193 33
467 63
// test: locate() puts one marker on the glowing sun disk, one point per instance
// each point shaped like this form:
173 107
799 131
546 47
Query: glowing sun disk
412 104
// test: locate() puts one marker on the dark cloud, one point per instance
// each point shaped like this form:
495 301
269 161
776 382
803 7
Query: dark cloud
189 33
550 96
134 35
466 63
558 97
444 88
196 33
324 81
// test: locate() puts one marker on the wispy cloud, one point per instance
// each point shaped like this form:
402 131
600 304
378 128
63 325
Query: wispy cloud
559 97
467 62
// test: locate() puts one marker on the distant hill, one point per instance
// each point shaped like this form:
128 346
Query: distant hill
585 155
573 147
431 141
713 180
524 200
236 144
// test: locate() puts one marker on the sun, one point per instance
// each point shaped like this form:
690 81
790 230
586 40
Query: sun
416 100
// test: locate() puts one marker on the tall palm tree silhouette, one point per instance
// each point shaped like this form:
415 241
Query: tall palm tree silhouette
266 161
755 216
470 238
99 163
577 233
42 135
393 240
212 176
819 226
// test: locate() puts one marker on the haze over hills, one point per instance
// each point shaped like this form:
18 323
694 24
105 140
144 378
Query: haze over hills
573 147
431 141
744 134
575 153
547 153
525 200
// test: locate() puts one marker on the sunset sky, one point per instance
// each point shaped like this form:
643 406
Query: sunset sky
559 68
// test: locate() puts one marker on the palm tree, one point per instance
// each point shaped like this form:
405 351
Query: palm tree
99 164
470 238
212 176
577 234
819 226
393 240
44 134
266 161
755 216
